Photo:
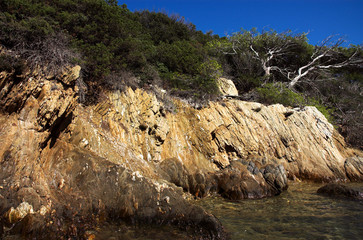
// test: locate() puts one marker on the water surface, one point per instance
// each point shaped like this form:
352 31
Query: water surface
298 213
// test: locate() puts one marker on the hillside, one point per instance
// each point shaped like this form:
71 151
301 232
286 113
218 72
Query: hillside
117 48
109 116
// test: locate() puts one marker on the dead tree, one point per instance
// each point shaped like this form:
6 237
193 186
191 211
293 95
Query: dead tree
271 51
325 56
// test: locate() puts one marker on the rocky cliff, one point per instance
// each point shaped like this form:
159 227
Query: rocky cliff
67 168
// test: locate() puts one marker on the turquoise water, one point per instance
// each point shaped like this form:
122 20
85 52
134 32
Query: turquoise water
298 213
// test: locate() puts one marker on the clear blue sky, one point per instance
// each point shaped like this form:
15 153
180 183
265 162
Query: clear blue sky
321 17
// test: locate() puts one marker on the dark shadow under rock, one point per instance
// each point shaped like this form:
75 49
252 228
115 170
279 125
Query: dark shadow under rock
339 190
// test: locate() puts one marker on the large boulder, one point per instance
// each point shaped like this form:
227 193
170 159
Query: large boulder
227 87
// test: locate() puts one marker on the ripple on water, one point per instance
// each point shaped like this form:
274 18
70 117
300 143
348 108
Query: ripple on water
299 213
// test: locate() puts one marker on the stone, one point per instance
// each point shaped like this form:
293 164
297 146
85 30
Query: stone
227 87
17 214
70 74
237 182
340 190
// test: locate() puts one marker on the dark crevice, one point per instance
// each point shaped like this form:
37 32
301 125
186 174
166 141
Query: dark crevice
16 104
151 131
143 127
230 150
57 128
256 109
288 114
213 135
159 141
285 142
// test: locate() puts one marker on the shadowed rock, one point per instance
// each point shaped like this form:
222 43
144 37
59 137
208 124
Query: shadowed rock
239 181
339 190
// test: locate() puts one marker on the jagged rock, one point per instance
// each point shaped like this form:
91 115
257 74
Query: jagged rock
340 190
70 75
17 214
276 177
227 87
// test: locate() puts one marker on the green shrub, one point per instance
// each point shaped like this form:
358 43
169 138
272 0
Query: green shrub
278 93
11 63
327 112
210 69
272 93
180 56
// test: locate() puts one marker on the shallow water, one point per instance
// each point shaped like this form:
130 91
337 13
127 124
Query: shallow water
126 232
298 213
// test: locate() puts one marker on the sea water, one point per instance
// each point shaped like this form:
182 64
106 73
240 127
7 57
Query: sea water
298 213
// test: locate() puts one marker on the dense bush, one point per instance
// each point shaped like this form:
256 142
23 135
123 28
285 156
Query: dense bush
105 39
10 63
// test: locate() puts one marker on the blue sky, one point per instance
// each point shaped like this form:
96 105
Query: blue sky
321 17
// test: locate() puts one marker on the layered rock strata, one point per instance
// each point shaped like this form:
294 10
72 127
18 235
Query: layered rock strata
66 168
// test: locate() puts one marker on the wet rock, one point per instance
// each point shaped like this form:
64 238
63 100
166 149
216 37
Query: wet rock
340 190
175 172
239 181
276 177
198 183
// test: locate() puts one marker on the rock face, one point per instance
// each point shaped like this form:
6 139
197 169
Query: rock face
126 157
354 168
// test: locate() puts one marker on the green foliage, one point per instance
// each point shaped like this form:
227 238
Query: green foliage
11 63
163 28
180 56
279 93
246 83
210 69
109 38
327 112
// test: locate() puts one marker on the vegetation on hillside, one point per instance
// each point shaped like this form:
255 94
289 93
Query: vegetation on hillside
118 48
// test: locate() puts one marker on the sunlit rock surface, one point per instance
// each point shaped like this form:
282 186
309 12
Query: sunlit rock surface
227 87
128 158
